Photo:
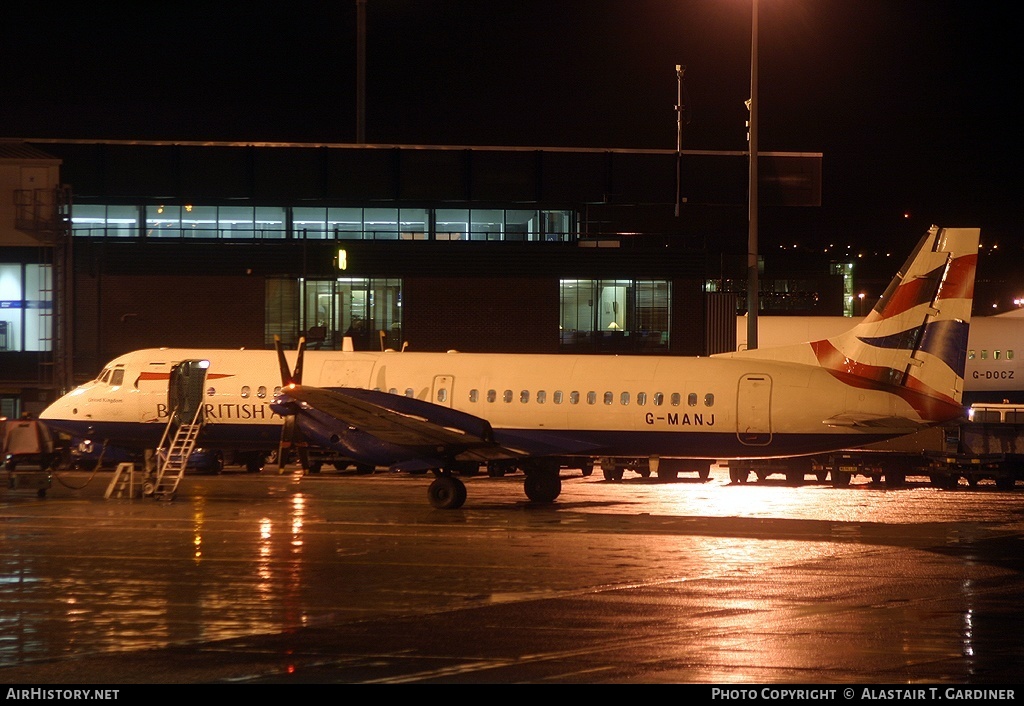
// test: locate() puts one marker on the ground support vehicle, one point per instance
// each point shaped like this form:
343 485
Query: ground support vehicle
795 469
663 468
987 445
28 454
990 446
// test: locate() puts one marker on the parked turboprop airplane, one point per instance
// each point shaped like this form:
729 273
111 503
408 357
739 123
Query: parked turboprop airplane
897 371
994 371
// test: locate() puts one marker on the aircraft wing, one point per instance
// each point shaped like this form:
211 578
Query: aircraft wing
390 428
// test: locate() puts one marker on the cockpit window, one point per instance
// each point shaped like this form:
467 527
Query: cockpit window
105 375
117 378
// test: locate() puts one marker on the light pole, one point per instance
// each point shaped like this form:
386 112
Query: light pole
360 71
752 279
681 108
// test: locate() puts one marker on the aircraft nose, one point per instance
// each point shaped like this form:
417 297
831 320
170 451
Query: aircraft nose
63 409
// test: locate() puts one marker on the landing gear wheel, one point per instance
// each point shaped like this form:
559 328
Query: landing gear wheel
613 474
666 475
1005 483
542 487
704 472
840 479
447 493
587 468
895 480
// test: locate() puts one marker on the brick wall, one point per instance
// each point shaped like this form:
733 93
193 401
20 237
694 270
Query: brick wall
481 314
115 314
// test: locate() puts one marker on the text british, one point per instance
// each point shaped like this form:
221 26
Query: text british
225 410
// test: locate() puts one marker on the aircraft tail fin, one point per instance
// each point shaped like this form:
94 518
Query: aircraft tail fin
915 338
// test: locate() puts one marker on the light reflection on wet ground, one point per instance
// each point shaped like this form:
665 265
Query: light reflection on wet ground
721 582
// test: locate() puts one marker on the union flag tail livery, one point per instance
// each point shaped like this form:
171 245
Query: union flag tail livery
914 342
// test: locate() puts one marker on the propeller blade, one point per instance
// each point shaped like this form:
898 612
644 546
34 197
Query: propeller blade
291 437
293 446
284 444
282 362
288 376
297 373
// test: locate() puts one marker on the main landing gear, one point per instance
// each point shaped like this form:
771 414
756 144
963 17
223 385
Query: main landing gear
542 485
446 492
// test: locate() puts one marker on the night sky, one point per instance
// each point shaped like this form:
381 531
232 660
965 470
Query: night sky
912 102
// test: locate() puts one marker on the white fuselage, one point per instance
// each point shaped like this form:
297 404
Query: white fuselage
605 405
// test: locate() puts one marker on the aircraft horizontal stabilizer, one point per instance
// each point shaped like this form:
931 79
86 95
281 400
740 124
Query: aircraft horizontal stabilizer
887 425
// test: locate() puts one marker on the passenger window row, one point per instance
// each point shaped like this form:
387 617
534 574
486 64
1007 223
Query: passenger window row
641 399
261 391
246 391
984 354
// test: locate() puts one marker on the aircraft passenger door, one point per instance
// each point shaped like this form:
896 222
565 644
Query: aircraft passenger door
442 391
185 389
753 410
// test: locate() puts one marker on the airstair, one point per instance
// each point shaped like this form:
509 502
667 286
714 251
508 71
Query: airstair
172 458
185 400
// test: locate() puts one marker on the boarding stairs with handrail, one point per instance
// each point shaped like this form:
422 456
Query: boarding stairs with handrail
172 459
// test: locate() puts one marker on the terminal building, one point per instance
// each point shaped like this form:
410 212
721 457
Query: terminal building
111 246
